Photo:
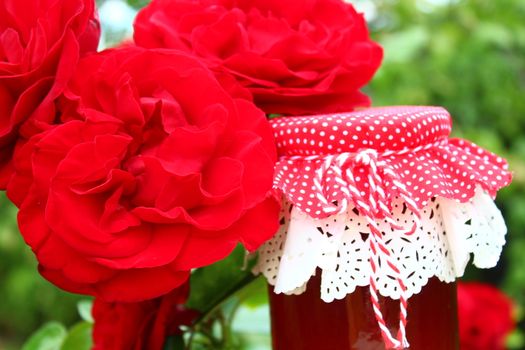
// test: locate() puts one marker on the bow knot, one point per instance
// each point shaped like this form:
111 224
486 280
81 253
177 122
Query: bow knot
366 156
372 203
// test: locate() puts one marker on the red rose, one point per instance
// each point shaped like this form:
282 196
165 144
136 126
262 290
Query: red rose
296 56
485 317
143 325
155 170
40 42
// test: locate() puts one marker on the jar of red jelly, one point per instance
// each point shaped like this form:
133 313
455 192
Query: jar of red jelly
382 211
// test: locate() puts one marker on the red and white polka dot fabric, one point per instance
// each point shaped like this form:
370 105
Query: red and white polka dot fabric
396 151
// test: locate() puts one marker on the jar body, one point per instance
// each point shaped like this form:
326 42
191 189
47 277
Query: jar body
305 322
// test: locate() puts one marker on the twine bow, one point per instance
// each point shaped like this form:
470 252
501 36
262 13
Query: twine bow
373 205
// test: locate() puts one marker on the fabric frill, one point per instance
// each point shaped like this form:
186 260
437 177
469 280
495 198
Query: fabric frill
430 196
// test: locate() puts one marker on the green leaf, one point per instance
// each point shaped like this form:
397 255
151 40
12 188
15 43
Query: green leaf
212 284
174 343
79 337
137 3
515 340
84 310
49 337
254 294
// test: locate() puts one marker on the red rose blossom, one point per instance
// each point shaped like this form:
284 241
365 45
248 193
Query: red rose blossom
296 56
142 325
40 42
156 170
485 317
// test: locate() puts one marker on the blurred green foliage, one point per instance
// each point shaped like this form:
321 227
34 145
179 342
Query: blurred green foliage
468 56
27 300
465 55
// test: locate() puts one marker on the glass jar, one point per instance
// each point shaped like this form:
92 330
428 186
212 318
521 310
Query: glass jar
381 194
305 322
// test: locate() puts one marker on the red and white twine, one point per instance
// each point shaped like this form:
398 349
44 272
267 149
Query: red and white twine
372 206
377 245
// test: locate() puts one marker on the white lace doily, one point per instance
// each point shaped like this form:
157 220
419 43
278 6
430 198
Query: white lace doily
449 233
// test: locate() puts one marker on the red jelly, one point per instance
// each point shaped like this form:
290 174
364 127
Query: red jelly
305 322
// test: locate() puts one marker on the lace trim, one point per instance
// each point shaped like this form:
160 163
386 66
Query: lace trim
448 233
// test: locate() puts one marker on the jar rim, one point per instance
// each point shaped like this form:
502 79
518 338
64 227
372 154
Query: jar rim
379 128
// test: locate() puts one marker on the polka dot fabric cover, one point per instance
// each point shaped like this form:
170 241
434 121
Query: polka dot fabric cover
410 141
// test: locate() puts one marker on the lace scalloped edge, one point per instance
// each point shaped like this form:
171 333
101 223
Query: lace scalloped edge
449 235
